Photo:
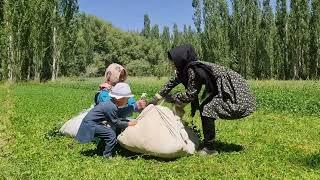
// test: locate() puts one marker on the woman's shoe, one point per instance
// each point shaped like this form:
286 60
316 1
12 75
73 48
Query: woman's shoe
207 151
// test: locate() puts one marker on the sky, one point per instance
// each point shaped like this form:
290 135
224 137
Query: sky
128 14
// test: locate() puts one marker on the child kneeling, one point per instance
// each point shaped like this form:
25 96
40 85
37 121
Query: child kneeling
103 120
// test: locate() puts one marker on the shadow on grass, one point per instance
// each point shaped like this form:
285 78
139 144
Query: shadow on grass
120 151
308 160
228 147
132 155
312 161
90 153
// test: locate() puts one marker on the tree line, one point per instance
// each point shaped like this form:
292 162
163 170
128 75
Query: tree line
258 41
43 40
36 38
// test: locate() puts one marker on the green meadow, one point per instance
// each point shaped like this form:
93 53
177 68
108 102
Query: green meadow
280 140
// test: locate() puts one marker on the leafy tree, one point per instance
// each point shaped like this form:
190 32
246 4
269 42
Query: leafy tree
314 67
196 4
46 39
139 68
146 28
298 39
216 40
2 39
67 35
155 32
263 62
244 29
176 36
281 40
165 38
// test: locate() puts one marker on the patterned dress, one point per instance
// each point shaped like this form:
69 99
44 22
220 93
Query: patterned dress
232 99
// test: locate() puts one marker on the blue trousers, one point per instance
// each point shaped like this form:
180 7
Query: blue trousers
108 139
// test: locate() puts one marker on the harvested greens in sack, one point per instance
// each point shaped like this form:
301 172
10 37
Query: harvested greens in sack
71 127
160 133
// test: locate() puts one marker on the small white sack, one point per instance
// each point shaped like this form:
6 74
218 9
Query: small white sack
71 127
159 132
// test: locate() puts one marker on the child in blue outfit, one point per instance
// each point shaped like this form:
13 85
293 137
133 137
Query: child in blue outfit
114 74
103 120
132 106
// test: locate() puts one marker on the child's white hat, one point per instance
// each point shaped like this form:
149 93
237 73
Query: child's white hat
121 90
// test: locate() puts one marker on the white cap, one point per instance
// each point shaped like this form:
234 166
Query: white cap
121 90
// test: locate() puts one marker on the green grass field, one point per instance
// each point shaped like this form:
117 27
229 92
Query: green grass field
280 140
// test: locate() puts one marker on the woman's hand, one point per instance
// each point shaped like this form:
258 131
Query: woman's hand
132 123
155 99
173 98
141 104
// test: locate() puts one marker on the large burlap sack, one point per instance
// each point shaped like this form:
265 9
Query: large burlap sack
160 133
71 127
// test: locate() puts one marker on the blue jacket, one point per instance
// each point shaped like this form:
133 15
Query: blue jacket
104 111
126 111
104 96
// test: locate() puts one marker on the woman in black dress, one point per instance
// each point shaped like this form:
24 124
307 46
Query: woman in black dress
226 94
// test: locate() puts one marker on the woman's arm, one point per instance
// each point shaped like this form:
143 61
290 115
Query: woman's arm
173 82
167 87
192 90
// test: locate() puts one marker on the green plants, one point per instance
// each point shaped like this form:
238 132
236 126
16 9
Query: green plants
280 140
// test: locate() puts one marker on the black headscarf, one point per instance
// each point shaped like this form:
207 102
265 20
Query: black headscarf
184 57
181 56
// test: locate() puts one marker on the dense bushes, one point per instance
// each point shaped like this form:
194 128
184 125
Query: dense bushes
107 45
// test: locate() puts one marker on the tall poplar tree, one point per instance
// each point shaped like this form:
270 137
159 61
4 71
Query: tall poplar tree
244 30
281 40
298 39
176 36
263 62
155 31
216 40
146 26
314 66
165 38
